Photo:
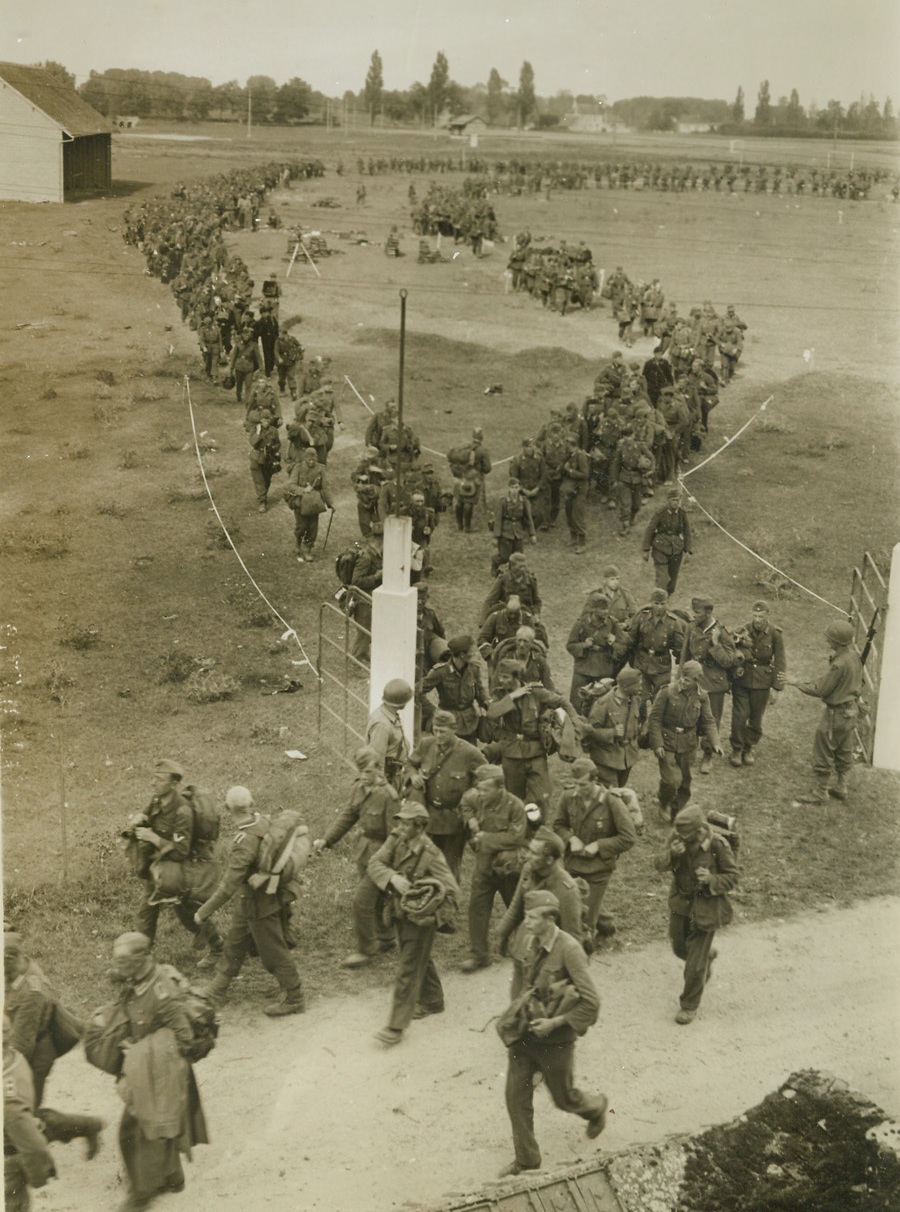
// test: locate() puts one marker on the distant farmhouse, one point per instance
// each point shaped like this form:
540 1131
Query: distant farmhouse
466 124
588 114
53 145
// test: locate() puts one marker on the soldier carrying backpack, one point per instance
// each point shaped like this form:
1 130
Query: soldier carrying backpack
261 874
171 847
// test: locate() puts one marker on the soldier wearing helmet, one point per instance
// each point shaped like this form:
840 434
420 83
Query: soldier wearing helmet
839 689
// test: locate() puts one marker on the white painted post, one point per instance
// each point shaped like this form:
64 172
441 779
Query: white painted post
394 620
886 750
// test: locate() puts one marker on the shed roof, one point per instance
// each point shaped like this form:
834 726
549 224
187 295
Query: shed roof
465 119
60 103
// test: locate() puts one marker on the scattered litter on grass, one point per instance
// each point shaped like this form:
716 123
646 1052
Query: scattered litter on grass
295 754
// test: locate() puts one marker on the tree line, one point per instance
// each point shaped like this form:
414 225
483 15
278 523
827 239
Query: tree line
119 92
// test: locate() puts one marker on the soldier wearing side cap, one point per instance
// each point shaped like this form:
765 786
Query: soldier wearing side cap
614 724
656 636
668 540
165 831
620 601
503 623
442 769
406 857
758 678
459 687
496 824
511 524
839 689
679 711
564 1002
708 642
703 873
597 643
597 827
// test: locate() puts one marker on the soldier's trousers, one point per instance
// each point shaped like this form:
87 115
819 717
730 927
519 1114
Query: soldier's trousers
694 946
417 979
666 569
675 780
747 710
267 935
261 474
628 499
597 882
556 1062
485 886
505 548
834 740
528 778
716 706
576 513
611 775
287 378
451 845
151 1165
368 904
148 918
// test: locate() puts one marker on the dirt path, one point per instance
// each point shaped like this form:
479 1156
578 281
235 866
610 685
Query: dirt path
311 1113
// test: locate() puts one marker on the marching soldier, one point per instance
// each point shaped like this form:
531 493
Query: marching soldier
757 679
678 711
708 642
442 768
668 539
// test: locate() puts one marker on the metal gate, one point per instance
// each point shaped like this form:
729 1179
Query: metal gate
343 679
868 602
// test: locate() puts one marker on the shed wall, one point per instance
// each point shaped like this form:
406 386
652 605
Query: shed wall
30 155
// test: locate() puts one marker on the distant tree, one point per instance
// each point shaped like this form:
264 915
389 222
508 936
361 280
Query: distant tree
396 105
887 114
58 72
763 115
419 101
262 90
525 99
794 115
437 85
198 101
871 117
561 104
831 117
292 101
229 100
374 89
456 98
737 110
496 102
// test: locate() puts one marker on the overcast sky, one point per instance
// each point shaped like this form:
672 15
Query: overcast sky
704 48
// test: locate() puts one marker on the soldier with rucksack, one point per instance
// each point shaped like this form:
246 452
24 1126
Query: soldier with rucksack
170 845
263 899
288 355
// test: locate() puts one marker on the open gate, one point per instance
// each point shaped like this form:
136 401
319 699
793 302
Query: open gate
868 602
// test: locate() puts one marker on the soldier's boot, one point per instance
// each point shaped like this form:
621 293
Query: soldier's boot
62 1127
818 793
841 790
736 758
293 1003
747 757
217 989
706 763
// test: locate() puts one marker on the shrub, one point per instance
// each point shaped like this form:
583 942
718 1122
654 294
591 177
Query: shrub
107 377
107 414
77 636
178 666
38 544
208 686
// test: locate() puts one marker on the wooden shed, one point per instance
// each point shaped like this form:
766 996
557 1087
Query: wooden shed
53 145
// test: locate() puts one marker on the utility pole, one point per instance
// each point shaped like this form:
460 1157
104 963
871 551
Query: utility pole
249 112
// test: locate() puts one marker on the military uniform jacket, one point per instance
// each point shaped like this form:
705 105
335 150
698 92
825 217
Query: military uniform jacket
608 643
655 641
668 532
265 446
459 690
603 745
562 885
505 586
514 519
502 624
565 960
708 905
373 802
369 569
448 774
29 1003
843 681
156 1001
243 861
576 470
674 716
384 734
632 460
537 667
23 1140
530 471
598 816
716 656
764 661
518 720
621 603
415 859
501 822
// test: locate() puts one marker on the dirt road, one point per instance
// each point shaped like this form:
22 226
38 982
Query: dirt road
312 1113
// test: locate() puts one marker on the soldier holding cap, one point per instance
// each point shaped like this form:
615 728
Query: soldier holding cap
703 873
442 768
495 820
554 961
165 831
839 689
757 679
406 857
596 827
384 731
668 539
597 642
707 642
679 710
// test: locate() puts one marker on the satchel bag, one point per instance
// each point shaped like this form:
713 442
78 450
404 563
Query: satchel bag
105 1032
311 502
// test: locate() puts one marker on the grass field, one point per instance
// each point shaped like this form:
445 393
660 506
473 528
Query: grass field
117 579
